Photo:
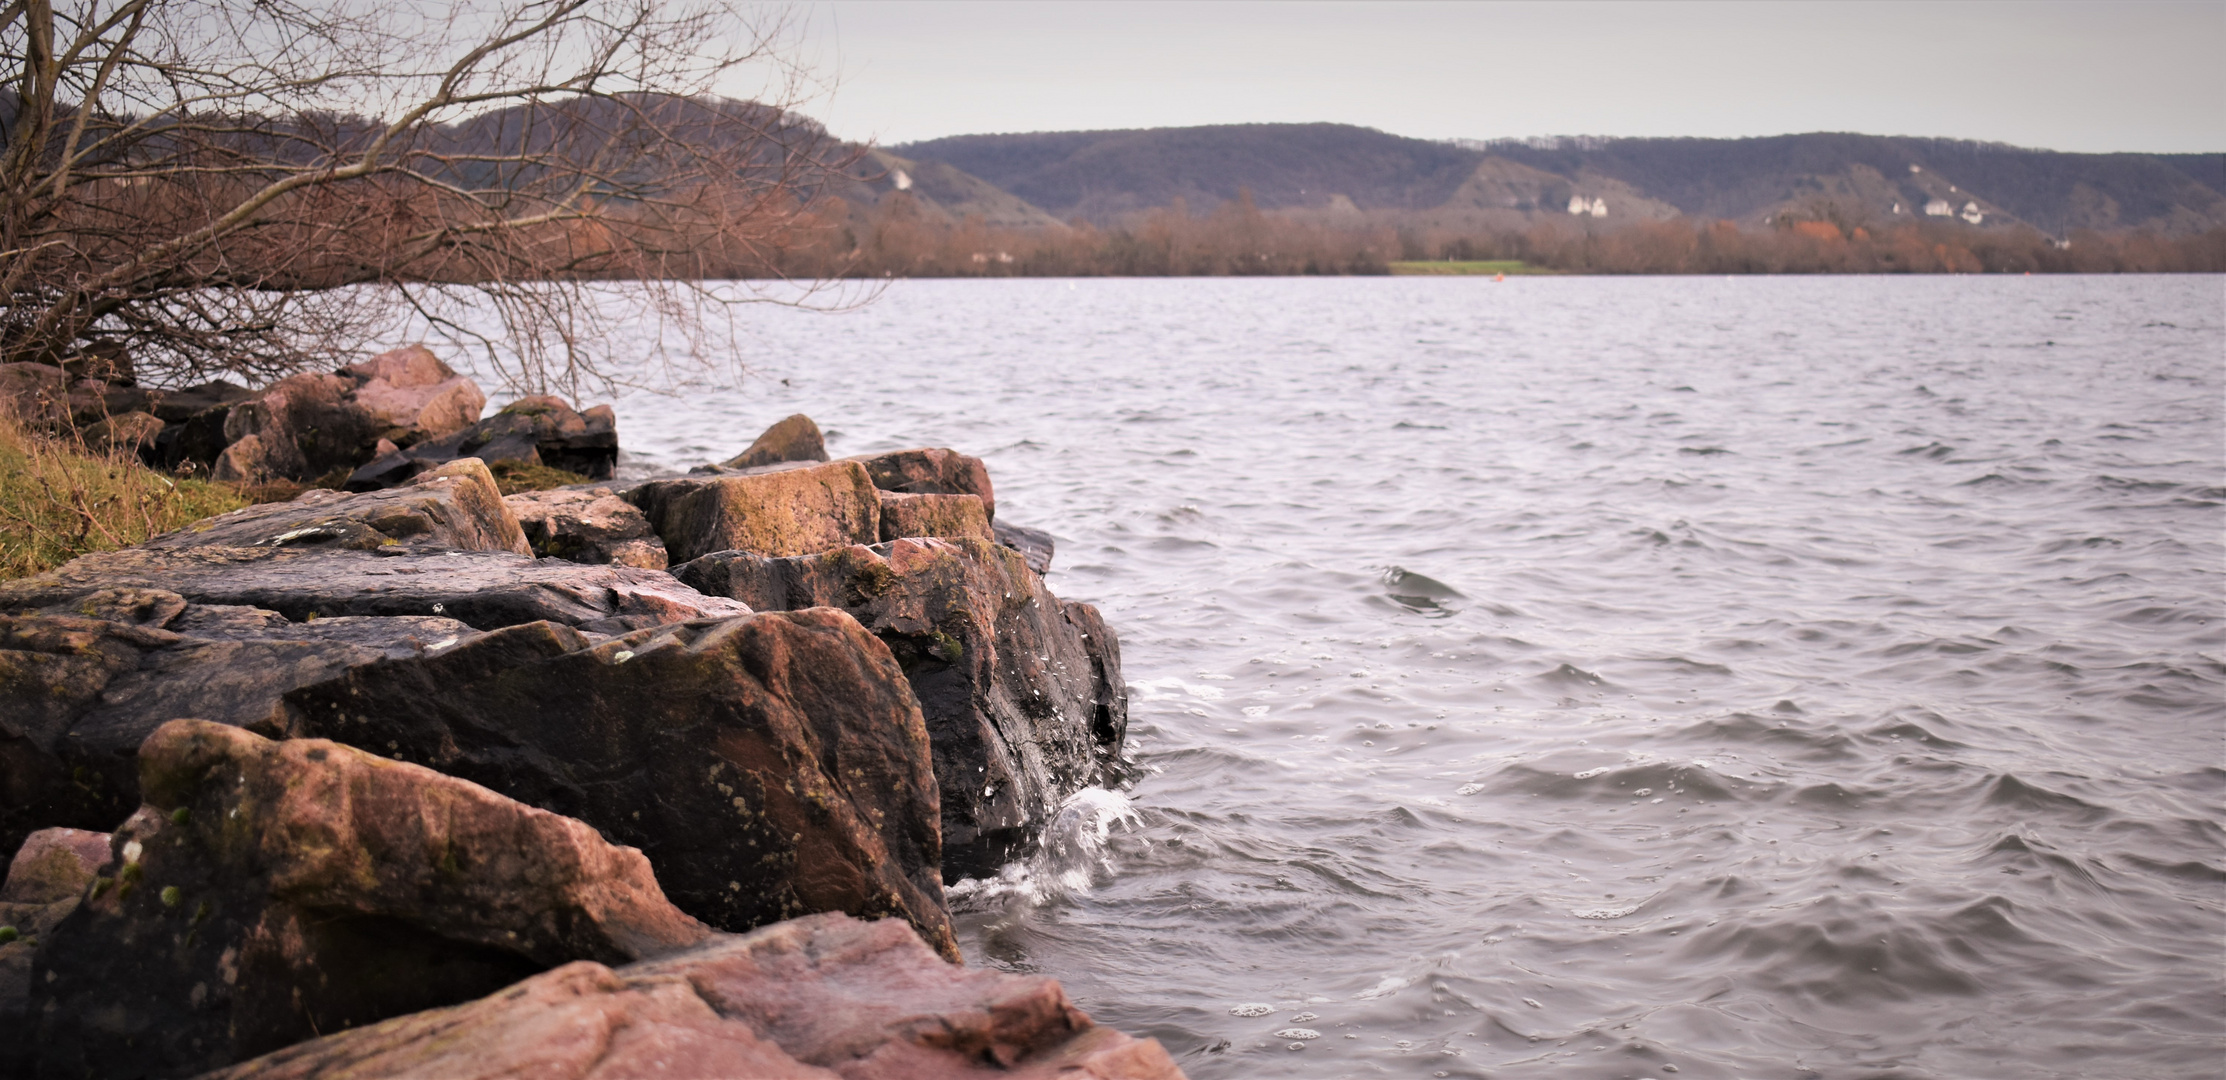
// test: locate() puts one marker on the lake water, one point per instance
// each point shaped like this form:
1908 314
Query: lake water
1799 677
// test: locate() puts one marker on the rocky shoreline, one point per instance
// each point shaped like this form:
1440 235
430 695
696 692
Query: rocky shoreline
651 778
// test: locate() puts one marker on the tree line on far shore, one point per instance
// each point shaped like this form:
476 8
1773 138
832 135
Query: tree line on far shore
899 238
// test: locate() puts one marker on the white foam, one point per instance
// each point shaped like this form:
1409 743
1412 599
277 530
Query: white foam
1298 1033
1603 913
1069 853
1391 984
1590 773
1251 1008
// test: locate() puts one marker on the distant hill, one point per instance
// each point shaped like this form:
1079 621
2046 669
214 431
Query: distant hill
1336 169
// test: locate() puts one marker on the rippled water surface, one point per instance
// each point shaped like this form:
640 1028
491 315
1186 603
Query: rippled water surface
1597 677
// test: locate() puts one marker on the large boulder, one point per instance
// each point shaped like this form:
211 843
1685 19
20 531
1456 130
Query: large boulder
930 471
305 426
769 766
268 892
590 526
1022 691
953 517
778 510
457 506
82 684
824 997
485 589
529 431
415 395
795 438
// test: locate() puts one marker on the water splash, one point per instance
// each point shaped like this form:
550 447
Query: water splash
1069 855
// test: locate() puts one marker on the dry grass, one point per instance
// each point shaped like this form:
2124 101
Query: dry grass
59 500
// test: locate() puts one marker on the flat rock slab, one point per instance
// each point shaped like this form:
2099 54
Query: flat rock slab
457 506
770 766
269 891
822 998
81 687
484 589
779 511
1022 691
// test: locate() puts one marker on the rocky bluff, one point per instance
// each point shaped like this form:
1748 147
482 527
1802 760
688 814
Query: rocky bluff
603 780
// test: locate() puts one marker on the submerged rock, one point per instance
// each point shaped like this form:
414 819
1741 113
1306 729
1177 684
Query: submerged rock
794 438
269 891
592 526
791 510
456 506
484 589
824 997
538 430
769 766
1022 691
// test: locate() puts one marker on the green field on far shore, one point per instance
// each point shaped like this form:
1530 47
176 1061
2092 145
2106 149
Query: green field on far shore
1474 266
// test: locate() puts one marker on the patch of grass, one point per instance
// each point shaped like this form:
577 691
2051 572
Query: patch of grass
516 476
1511 267
59 500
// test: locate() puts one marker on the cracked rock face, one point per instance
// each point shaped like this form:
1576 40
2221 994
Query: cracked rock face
82 685
769 766
591 526
1021 691
931 471
824 998
485 589
269 891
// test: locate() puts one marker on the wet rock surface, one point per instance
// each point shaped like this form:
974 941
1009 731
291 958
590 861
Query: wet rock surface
793 510
587 526
1022 691
484 589
1034 545
822 997
537 430
769 767
268 891
794 438
455 507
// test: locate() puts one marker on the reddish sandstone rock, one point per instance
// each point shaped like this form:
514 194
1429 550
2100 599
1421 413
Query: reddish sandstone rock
304 426
1021 691
537 430
769 766
823 997
415 396
456 506
776 511
45 880
795 438
953 517
592 526
270 891
931 471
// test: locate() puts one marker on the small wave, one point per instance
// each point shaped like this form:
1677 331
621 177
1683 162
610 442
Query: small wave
1069 853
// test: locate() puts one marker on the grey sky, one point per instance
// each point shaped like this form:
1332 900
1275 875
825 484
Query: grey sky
2066 76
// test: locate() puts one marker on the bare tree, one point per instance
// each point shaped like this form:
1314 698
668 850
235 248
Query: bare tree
262 186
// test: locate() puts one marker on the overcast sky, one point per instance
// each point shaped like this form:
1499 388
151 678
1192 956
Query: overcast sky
2065 76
